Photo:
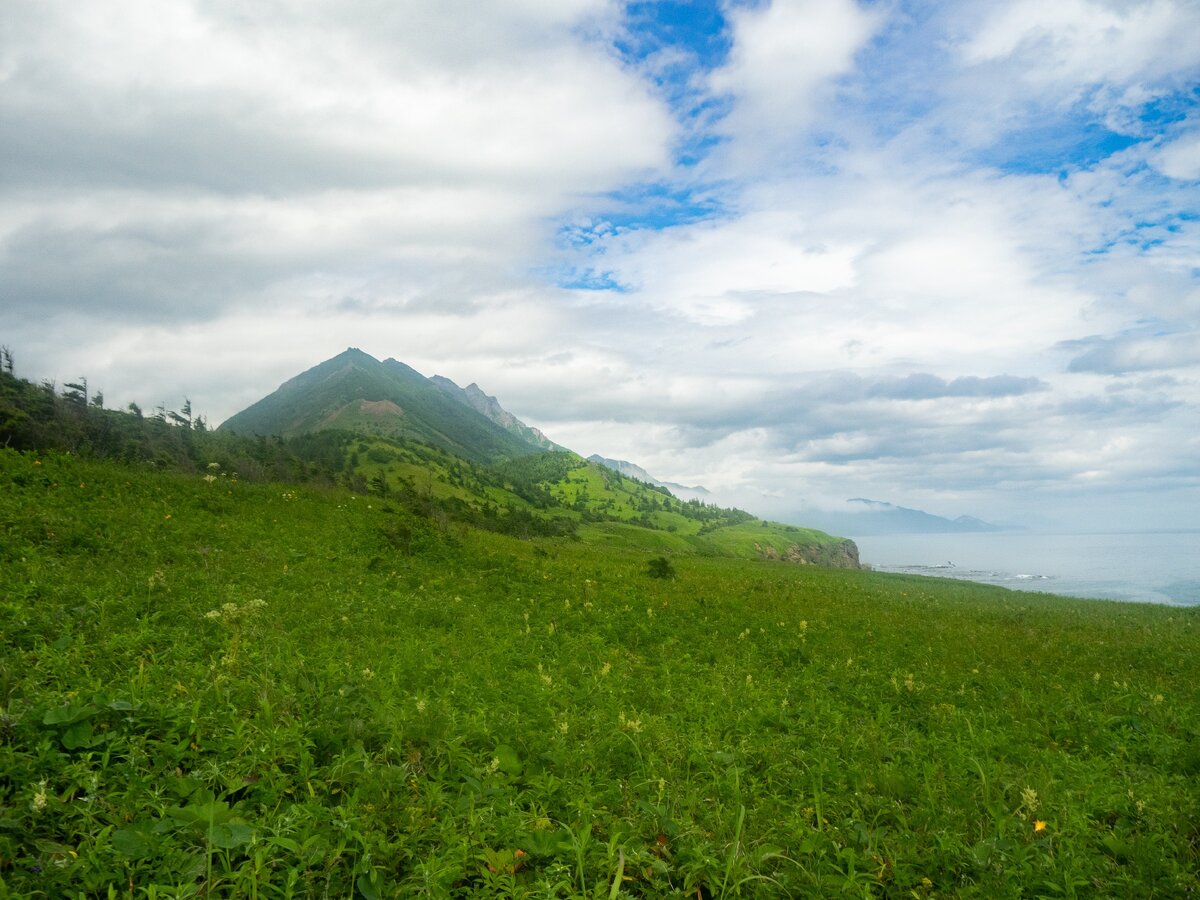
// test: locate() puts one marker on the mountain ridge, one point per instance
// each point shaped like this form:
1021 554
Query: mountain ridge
864 517
489 407
633 470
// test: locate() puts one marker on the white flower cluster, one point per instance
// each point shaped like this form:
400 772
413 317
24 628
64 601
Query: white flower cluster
229 612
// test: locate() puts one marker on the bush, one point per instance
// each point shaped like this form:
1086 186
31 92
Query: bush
660 568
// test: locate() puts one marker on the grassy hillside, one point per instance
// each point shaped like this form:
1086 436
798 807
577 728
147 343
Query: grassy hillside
559 492
216 688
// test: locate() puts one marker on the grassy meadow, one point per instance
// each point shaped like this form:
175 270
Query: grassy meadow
211 688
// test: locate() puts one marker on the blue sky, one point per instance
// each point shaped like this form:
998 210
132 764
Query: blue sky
942 254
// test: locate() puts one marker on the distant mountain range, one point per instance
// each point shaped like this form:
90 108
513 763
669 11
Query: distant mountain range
632 470
862 517
353 391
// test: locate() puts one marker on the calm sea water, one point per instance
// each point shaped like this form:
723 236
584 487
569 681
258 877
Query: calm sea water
1151 568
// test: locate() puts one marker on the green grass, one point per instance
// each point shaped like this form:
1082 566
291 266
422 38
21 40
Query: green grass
234 690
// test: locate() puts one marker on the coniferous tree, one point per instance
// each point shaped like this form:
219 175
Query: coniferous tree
76 392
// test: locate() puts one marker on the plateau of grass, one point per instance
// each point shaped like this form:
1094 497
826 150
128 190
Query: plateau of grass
211 688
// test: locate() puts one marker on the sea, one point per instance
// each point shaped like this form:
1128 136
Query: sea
1144 567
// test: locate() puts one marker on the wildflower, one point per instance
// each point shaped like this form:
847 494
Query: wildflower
39 798
420 705
634 725
1038 826
210 478
909 683
368 674
1029 799
214 466
563 727
1096 677
606 668
1157 698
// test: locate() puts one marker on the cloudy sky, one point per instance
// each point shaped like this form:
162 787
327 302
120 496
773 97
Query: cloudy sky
943 254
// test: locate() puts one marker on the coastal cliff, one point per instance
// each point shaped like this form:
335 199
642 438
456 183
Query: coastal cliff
842 554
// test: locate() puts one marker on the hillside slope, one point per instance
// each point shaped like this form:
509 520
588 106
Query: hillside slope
215 688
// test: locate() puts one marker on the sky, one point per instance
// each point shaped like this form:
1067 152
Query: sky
939 254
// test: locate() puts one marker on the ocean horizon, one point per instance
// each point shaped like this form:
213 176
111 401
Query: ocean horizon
1144 567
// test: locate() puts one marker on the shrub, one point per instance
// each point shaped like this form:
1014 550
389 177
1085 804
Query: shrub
660 568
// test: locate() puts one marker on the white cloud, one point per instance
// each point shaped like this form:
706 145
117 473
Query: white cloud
1070 44
1180 159
783 59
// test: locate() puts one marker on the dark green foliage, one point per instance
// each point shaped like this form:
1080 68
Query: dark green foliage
660 567
35 417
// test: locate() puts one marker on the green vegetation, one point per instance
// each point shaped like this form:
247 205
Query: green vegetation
216 687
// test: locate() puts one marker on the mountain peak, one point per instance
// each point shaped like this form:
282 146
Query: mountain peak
353 391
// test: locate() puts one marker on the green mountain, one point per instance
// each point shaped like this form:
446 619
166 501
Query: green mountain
355 392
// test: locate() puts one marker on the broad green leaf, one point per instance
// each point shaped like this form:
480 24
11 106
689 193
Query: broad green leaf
80 736
69 714
137 841
509 760
228 835
367 888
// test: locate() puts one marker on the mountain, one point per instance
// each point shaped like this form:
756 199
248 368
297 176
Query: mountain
632 470
862 517
353 391
489 407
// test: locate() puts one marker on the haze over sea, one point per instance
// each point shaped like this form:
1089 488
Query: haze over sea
1159 567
